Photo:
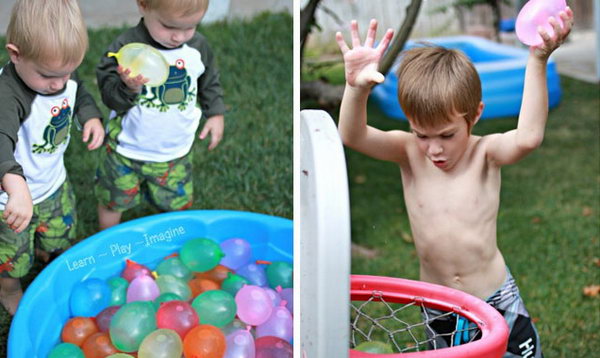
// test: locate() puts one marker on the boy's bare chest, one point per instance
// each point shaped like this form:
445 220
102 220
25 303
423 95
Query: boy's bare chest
469 193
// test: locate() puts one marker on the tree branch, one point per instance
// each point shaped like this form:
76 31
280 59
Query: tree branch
412 11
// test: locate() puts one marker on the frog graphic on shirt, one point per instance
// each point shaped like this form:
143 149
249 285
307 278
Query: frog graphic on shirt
175 90
57 130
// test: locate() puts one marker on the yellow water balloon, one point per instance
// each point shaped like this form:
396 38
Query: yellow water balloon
143 59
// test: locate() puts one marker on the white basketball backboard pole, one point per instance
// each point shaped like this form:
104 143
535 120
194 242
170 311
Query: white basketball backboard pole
325 239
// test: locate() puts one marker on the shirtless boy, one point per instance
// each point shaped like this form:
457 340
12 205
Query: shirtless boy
451 179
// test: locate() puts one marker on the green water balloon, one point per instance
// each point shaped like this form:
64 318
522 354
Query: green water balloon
215 307
174 267
131 324
165 297
162 343
280 273
118 286
201 255
374 347
172 284
66 350
233 283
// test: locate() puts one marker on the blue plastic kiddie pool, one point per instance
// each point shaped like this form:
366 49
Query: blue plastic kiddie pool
500 67
44 309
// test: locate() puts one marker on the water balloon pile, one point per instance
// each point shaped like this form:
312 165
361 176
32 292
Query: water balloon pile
208 300
145 60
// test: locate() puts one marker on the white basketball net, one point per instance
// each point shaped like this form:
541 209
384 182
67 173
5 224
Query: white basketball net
406 327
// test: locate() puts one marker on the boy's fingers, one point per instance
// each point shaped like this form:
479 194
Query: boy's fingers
10 219
377 77
543 34
371 33
385 41
204 133
86 134
354 33
341 43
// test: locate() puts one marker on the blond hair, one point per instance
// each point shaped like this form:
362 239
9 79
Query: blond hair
434 83
180 6
45 30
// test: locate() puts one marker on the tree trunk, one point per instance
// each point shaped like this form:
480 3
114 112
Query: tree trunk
329 96
307 20
495 4
412 11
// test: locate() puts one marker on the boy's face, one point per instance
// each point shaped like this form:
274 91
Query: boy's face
46 77
445 144
169 28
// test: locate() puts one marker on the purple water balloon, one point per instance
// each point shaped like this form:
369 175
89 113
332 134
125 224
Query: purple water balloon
255 274
275 297
280 324
103 318
288 295
240 344
142 288
237 253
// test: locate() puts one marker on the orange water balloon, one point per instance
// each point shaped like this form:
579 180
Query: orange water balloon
98 345
204 341
77 329
217 274
200 285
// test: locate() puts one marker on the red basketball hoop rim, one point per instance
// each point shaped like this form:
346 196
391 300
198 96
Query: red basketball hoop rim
494 331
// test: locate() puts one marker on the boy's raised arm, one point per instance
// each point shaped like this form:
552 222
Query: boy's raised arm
360 65
510 147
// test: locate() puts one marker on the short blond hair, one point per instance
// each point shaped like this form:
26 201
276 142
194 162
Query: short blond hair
435 82
46 30
180 6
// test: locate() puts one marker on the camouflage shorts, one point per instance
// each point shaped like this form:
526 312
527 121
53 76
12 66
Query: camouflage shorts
52 228
121 183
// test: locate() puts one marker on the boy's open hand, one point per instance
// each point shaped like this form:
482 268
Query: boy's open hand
214 126
19 208
362 60
550 44
93 129
134 84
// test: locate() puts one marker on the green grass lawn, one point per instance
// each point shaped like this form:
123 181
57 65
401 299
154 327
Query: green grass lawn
251 170
548 225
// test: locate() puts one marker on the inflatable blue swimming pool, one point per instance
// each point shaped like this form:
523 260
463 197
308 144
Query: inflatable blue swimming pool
500 67
44 308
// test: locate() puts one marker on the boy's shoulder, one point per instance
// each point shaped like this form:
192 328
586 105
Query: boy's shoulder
199 42
137 33
12 88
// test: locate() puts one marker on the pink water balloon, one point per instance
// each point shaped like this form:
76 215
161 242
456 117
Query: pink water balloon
254 305
142 288
280 324
179 316
536 13
273 347
133 270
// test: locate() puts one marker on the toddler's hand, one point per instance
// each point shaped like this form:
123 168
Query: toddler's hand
361 61
215 126
134 84
19 209
550 44
93 128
